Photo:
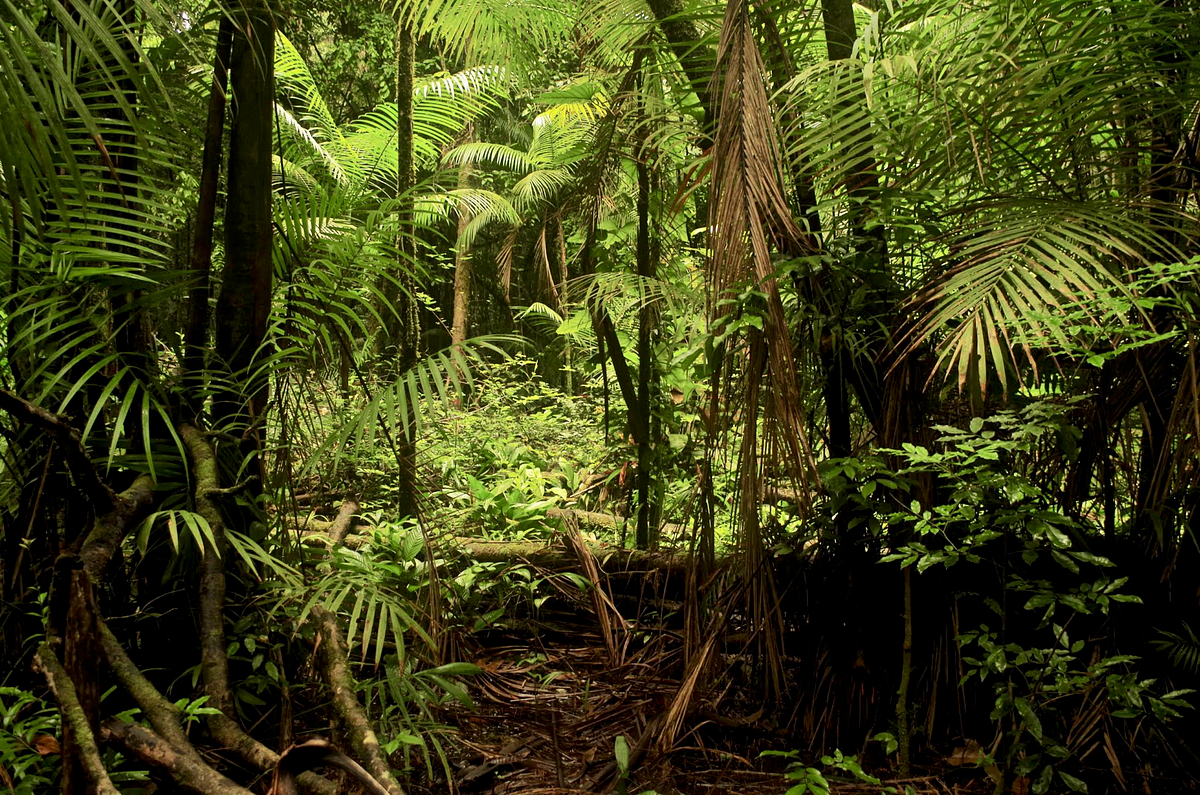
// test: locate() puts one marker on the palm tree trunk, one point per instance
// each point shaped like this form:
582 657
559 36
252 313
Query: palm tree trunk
401 327
462 270
196 334
245 299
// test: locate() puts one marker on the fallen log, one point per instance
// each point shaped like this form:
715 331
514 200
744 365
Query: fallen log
341 524
610 559
608 521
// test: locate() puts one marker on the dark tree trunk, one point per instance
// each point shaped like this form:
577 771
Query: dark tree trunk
196 334
245 300
402 328
646 271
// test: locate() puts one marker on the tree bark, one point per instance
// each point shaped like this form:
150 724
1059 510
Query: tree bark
401 327
75 720
188 772
646 268
196 334
244 304
462 269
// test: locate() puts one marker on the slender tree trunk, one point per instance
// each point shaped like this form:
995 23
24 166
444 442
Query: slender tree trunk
196 334
134 335
245 299
646 271
462 270
402 328
902 722
564 305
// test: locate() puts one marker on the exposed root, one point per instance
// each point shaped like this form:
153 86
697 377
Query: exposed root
162 714
214 664
333 662
184 769
73 716
314 753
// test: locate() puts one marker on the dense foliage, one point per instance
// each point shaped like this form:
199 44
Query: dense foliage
827 370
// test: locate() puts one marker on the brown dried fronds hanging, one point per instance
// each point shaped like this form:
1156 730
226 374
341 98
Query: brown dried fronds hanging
748 218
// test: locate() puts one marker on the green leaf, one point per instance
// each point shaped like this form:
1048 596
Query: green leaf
621 753
1032 724
1073 783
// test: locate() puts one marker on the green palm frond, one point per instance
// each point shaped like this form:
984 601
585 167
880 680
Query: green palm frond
481 208
500 155
493 31
1182 649
429 384
330 160
1018 273
294 78
540 186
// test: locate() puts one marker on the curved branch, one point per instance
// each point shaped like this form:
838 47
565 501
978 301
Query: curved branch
70 442
334 665
185 769
110 529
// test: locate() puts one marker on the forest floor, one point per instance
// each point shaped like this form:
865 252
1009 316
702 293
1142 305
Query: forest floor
551 702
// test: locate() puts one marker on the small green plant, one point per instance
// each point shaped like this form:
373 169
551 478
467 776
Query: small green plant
809 779
193 711
621 755
29 727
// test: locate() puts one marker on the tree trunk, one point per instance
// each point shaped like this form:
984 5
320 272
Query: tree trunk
196 334
401 328
646 271
245 300
902 721
462 269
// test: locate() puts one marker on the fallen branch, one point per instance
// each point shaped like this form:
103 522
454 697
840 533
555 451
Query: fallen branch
184 769
73 716
333 660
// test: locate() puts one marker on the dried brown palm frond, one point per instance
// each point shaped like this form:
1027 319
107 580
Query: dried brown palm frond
748 218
